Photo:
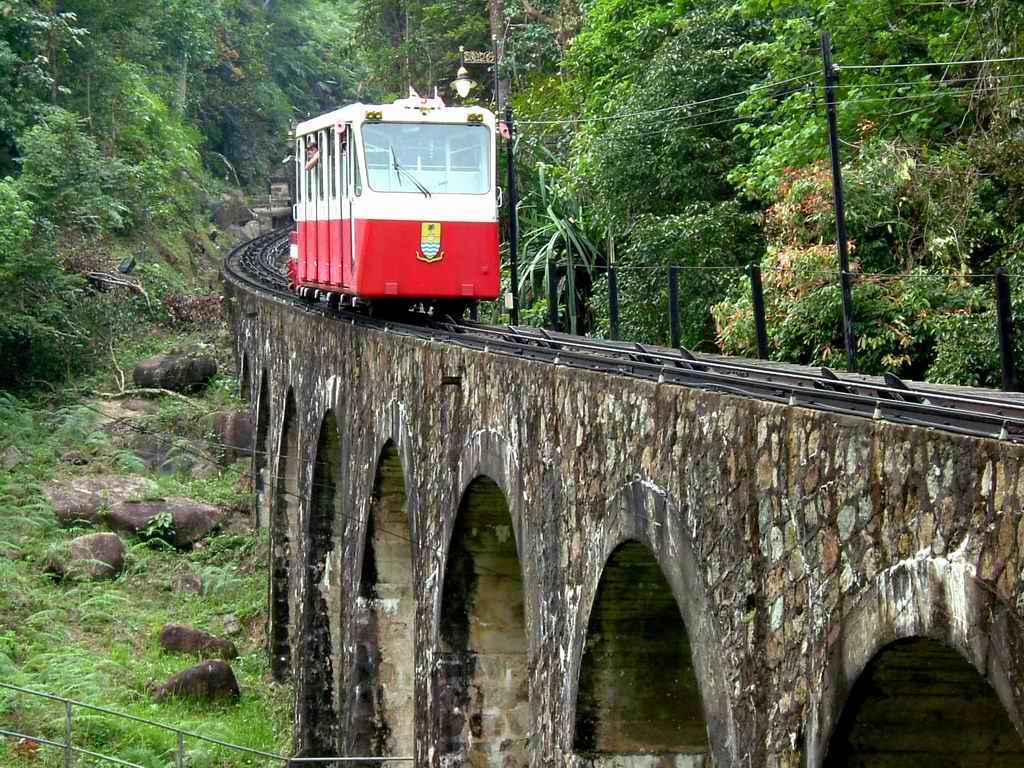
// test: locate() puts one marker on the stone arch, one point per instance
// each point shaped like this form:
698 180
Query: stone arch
382 709
284 520
261 456
920 702
245 379
926 598
483 687
320 730
638 691
644 514
396 435
488 454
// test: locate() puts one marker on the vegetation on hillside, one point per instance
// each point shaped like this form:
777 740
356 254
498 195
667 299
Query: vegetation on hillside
693 133
686 132
97 642
122 122
668 132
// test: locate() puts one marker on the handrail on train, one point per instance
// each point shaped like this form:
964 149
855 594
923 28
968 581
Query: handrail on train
179 757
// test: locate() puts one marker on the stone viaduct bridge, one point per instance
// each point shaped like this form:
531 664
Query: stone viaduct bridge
486 561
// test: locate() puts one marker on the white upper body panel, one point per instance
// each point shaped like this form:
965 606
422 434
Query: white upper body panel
392 171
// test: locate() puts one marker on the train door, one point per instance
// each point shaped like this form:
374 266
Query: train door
308 262
353 189
323 244
301 217
345 201
334 141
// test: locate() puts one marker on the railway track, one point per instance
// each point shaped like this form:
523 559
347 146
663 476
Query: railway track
979 413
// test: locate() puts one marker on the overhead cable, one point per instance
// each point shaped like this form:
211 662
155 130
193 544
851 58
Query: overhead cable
841 67
662 110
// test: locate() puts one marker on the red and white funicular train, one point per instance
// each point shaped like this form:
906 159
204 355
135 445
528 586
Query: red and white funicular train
397 205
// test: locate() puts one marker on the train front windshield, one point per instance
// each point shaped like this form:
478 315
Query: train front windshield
429 158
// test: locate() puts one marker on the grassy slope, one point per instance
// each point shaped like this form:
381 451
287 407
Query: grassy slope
97 642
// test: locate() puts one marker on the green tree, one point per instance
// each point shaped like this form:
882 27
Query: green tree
67 180
37 336
416 42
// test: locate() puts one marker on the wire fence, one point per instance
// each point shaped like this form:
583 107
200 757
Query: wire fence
999 284
179 737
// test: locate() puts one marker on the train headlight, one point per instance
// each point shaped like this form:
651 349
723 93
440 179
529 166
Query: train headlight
475 117
374 115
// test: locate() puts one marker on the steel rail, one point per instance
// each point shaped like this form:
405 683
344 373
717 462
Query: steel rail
258 265
1001 413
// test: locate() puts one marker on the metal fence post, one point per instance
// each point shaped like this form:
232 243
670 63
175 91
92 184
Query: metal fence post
760 325
842 241
179 757
513 214
1004 312
613 303
673 307
69 753
553 294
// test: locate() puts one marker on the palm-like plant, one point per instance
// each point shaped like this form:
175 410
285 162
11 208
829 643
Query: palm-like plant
555 228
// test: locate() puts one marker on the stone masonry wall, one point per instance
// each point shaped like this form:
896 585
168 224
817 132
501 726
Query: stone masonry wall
796 544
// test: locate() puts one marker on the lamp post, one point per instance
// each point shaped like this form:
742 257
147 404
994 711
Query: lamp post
462 85
513 217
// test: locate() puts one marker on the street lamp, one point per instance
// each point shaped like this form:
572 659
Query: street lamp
463 83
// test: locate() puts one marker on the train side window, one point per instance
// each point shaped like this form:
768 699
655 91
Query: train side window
298 170
357 180
332 144
309 171
320 166
328 164
349 163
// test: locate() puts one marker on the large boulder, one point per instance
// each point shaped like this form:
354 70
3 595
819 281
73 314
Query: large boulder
181 639
90 558
80 500
209 681
234 431
180 372
182 522
187 583
169 456
12 458
232 211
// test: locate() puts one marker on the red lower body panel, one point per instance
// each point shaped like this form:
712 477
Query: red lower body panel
401 259
323 252
337 253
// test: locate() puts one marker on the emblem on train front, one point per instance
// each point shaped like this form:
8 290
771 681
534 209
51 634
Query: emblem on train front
430 242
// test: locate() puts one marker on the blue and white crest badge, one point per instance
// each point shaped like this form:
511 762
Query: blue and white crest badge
430 242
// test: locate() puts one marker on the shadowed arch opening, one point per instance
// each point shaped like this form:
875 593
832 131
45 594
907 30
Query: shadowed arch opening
919 702
261 457
384 709
325 511
484 685
638 691
285 518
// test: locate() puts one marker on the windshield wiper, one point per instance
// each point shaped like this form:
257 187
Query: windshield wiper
399 170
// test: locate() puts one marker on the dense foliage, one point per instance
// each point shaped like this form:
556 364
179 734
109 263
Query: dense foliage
660 132
121 119
693 133
416 42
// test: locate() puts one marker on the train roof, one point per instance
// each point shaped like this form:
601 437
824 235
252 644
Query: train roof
413 108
